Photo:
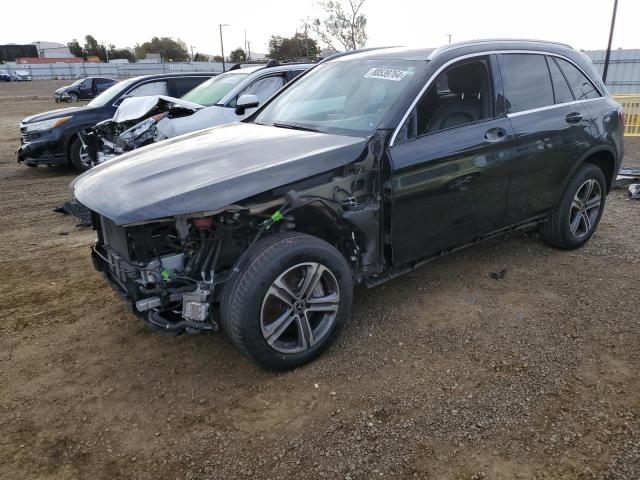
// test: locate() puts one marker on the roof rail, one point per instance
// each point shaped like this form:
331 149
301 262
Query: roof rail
466 43
350 52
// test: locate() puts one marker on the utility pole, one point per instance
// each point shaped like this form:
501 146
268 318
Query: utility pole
449 35
192 53
248 51
222 45
245 44
608 55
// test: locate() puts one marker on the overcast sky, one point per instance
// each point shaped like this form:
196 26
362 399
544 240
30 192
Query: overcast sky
582 23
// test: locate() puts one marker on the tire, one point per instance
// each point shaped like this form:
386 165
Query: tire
75 156
573 220
73 97
273 332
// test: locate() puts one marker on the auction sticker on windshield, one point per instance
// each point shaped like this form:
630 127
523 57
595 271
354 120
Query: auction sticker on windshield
386 74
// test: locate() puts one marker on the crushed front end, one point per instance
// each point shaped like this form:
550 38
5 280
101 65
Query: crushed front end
168 270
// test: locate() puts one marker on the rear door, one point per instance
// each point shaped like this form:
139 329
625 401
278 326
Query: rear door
551 128
450 163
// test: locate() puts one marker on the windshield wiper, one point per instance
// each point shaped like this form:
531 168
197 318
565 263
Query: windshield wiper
296 127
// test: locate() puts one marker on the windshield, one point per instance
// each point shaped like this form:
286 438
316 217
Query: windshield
212 91
112 93
343 97
78 82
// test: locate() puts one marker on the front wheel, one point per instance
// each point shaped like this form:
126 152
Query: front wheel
73 97
290 299
78 156
578 213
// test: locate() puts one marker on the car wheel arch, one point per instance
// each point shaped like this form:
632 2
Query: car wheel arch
604 157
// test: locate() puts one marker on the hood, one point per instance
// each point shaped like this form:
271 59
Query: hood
136 107
63 89
209 170
61 112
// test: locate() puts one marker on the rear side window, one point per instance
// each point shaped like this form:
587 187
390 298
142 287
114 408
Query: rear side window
580 84
527 84
561 89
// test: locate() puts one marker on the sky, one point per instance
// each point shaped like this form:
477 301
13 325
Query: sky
584 24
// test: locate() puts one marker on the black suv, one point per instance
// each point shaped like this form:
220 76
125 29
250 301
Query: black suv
363 168
51 138
83 89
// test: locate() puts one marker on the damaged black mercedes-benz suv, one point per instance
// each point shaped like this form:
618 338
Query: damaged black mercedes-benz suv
365 167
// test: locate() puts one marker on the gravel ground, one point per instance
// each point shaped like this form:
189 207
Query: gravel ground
444 373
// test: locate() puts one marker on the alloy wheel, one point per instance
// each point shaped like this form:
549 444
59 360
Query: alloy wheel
585 208
299 308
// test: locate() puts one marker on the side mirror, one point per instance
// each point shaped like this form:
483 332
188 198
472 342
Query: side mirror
246 101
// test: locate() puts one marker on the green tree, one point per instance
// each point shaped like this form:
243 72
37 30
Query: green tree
200 57
75 48
237 56
169 49
340 26
93 49
217 58
297 47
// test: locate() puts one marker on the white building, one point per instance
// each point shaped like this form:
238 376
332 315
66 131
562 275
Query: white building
52 50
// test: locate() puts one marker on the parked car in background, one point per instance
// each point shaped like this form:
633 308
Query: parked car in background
5 76
368 166
83 89
226 98
21 75
51 138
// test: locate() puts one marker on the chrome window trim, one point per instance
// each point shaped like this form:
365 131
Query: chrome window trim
550 107
149 80
483 54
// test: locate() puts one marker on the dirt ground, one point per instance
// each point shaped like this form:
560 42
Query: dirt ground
444 373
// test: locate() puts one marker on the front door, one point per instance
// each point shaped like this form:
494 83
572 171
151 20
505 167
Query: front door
450 164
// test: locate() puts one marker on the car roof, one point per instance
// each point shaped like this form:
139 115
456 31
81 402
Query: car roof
283 67
174 74
428 54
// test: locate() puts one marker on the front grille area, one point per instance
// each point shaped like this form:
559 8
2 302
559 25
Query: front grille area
24 137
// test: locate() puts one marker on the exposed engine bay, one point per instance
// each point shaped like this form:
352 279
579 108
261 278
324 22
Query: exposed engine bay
171 270
133 126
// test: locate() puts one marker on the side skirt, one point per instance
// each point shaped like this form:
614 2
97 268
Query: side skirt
394 272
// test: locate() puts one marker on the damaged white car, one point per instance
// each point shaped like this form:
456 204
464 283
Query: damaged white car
223 99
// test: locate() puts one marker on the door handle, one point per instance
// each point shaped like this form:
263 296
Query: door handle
573 117
497 134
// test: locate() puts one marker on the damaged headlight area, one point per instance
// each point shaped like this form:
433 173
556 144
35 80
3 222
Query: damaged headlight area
169 270
109 139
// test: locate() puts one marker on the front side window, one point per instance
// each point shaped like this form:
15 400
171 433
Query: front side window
150 88
264 88
460 95
349 97
527 83
580 84
211 92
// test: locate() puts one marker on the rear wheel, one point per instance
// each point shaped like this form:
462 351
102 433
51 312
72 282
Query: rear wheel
578 213
78 156
290 299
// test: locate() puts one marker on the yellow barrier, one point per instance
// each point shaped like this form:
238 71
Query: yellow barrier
631 105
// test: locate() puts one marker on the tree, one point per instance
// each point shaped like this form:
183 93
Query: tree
169 49
93 49
237 56
75 48
200 57
217 58
348 28
298 46
116 53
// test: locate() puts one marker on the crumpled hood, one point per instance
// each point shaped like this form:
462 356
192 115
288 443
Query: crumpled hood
136 107
208 170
